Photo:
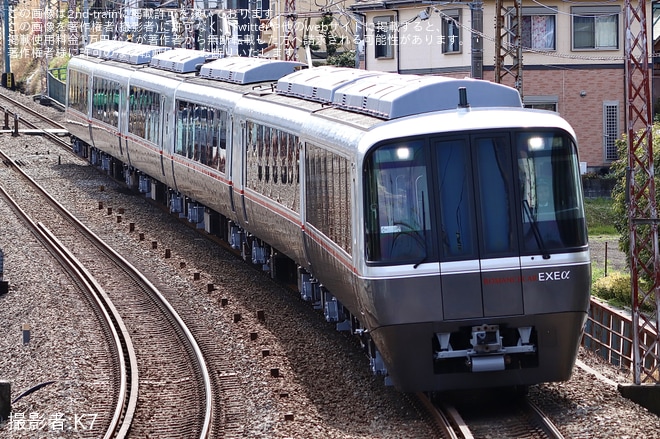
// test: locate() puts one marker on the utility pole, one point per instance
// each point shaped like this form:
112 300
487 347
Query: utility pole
642 209
290 43
7 77
477 15
73 30
508 42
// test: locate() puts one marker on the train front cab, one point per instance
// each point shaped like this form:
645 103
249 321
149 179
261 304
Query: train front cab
472 279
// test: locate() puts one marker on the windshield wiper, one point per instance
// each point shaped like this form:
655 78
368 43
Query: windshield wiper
535 230
426 253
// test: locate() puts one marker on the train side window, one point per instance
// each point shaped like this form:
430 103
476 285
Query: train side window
154 116
178 130
224 127
328 194
222 141
292 158
78 91
212 138
195 134
252 167
105 104
203 155
457 233
263 145
253 159
284 144
275 142
136 114
144 114
265 155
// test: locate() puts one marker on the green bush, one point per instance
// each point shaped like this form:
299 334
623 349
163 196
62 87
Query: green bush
614 288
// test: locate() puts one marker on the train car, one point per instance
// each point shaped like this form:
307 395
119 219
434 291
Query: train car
435 218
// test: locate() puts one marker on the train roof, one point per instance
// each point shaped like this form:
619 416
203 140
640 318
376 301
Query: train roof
124 51
375 94
137 54
319 83
181 60
243 70
390 95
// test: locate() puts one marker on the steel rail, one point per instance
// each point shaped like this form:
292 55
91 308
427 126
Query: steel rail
136 274
128 371
446 419
29 110
127 401
543 421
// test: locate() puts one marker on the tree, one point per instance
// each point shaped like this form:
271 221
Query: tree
332 41
619 194
344 59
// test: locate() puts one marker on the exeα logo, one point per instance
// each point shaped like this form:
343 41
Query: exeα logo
554 275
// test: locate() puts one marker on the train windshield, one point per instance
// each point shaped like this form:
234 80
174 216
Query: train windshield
483 195
551 201
399 214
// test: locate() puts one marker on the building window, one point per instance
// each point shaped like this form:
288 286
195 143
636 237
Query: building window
610 129
595 27
451 31
384 37
541 102
538 29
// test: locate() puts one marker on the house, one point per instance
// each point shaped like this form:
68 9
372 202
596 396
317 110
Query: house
573 56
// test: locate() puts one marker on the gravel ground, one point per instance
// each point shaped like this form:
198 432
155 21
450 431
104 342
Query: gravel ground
325 384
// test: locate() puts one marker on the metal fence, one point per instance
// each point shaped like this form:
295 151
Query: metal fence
57 85
609 332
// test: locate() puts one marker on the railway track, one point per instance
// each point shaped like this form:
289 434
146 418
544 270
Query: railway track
173 397
20 109
489 418
15 113
127 380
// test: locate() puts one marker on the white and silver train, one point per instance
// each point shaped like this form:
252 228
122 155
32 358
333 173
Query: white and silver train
435 218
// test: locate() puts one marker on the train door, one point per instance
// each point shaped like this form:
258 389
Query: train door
163 134
123 109
495 196
239 173
477 226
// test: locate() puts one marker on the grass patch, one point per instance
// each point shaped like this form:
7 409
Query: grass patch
615 287
600 216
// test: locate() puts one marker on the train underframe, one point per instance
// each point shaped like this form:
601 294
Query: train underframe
485 348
